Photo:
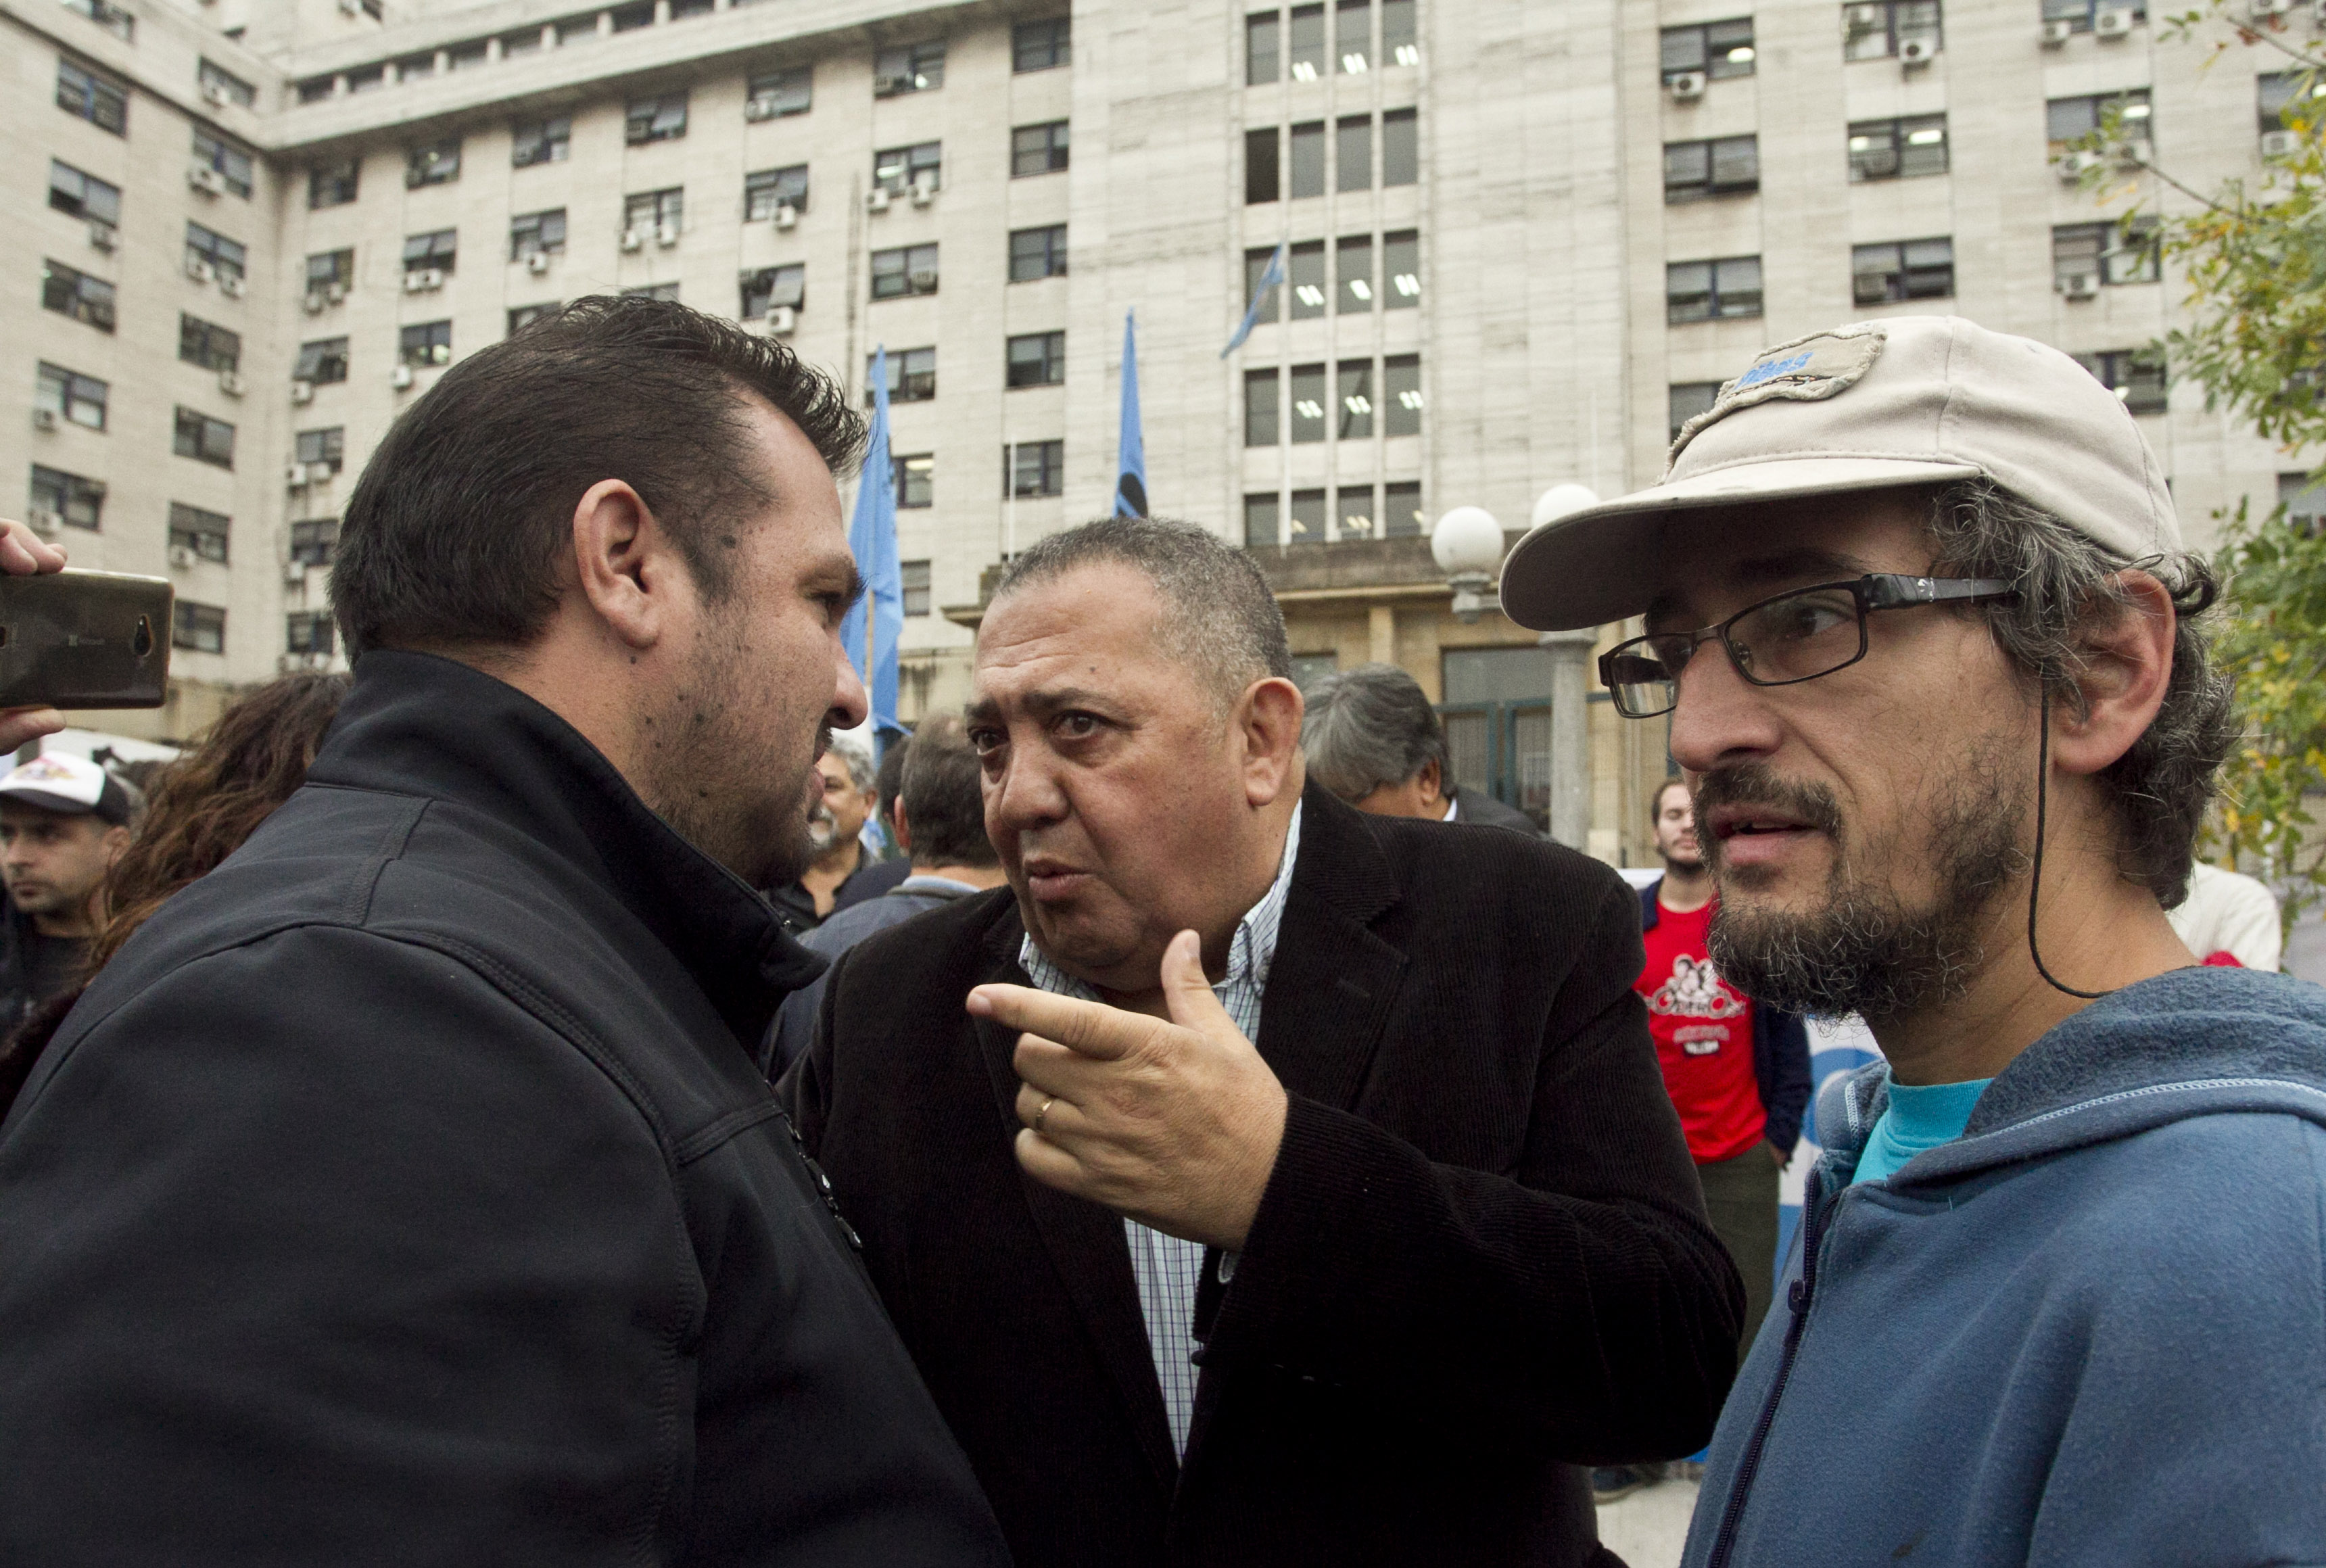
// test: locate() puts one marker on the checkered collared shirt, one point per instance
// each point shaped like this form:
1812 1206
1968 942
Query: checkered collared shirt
1166 1267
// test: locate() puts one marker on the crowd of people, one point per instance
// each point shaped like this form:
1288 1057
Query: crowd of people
559 1097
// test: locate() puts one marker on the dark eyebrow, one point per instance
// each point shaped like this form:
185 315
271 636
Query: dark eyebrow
1042 704
837 574
1784 569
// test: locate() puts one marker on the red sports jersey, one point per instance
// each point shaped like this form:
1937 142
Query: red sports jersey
1704 1039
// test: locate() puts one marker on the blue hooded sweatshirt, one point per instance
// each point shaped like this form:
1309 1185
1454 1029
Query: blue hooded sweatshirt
2092 1330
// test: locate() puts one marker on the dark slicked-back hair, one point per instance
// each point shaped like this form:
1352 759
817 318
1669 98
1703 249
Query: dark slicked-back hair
1219 616
455 534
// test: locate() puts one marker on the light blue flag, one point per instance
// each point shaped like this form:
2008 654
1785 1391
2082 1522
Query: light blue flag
872 540
1131 449
1270 278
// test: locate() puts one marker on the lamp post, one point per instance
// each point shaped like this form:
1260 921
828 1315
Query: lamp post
1468 544
1570 696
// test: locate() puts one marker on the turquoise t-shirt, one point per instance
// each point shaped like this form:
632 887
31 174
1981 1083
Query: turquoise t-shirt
1918 1118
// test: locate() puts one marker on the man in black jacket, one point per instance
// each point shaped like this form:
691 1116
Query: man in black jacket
1350 1263
405 1190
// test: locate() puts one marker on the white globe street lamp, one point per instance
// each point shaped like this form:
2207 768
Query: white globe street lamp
1468 544
1560 500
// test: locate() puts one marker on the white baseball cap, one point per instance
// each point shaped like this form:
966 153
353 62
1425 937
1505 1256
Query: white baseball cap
1879 405
70 786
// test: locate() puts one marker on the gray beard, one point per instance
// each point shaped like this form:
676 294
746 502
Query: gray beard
1866 951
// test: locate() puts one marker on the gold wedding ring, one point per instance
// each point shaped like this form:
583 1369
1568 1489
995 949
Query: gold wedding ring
1038 1115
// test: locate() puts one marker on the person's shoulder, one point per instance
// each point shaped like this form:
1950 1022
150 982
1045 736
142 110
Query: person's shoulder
934 948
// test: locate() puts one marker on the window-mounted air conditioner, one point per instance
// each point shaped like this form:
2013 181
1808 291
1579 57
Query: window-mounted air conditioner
877 198
2056 33
924 192
201 177
787 215
2115 22
2280 143
294 475
1686 87
924 279
1913 51
43 521
400 377
632 238
232 286
2072 167
181 556
336 293
2080 285
318 473
199 269
781 320
315 303
536 262
759 109
2261 10
295 573
230 383
667 235
44 419
214 93
103 234
303 391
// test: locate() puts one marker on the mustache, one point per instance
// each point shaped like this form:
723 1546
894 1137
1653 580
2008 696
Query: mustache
1756 783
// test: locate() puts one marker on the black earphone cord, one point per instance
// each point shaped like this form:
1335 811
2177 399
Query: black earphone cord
2035 879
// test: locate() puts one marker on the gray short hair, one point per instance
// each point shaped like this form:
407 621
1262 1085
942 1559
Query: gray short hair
2163 786
858 755
1370 727
1219 615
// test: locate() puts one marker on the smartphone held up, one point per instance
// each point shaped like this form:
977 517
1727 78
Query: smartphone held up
84 639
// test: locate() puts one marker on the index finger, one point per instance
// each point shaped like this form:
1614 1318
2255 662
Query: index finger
23 553
1086 1028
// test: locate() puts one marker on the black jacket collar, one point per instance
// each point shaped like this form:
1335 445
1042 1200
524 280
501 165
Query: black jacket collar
418 725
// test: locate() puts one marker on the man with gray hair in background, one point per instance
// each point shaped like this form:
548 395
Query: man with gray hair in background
841 873
1372 736
1255 1180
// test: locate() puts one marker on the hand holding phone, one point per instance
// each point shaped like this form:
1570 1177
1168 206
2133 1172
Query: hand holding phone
25 553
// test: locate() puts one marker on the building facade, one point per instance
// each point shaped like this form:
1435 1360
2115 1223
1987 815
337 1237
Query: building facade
1522 242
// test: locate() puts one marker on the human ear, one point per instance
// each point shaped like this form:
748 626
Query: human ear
1267 716
1429 783
2127 666
626 569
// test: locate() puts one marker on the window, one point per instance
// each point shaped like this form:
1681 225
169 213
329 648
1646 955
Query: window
575 30
906 270
1899 148
1307 166
912 375
203 438
70 395
1353 270
330 269
1402 394
1352 512
1355 409
1400 148
210 346
224 257
790 91
323 447
1260 157
1696 171
1306 524
1401 514
537 234
78 501
432 252
322 362
2136 376
1255 268
333 184
1304 276
308 632
437 163
1716 49
1034 468
1401 269
1689 399
74 293
1261 531
901 167
1264 62
198 628
1914 269
1038 149
1352 36
2112 254
1263 424
415 66
774 288
1875 29
630 18
1353 152
524 316
210 74
364 79
1309 395
2303 499
232 164
112 18
203 532
470 55
2069 120
650 211
662 118
1308 41
913 576
770 189
1400 44
2078 14
314 541
2273 93
425 344
916 480
532 141
1038 252
911 68
100 102
1041 45
80 195
1037 359
1709 291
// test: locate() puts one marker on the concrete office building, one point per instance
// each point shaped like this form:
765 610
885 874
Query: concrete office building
1522 241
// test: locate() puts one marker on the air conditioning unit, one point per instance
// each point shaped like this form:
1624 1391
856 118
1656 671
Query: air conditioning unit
214 93
2140 154
44 419
2080 285
2056 33
890 86
181 556
922 193
2261 10
667 235
230 383
335 292
877 198
43 521
781 320
199 269
787 215
206 180
103 234
923 279
232 286
318 473
759 109
303 391
315 303
1686 87
350 7
295 574
1913 51
2118 23
2072 168
2280 143
400 377
536 262
632 238
294 475
440 353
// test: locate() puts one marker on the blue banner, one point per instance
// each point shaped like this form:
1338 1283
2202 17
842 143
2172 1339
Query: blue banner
1272 277
1131 448
872 540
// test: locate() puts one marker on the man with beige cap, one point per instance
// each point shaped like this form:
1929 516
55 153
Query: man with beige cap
1917 606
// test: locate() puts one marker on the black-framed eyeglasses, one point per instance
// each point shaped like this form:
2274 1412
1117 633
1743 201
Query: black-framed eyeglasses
1797 636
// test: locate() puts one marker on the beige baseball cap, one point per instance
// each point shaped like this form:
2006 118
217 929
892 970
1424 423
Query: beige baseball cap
1908 401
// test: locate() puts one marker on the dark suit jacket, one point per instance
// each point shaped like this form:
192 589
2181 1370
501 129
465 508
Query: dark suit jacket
1481 1260
1479 807
1780 1052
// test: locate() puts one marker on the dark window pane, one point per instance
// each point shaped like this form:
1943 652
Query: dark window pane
1352 36
1400 395
1038 252
541 142
1261 416
1263 59
1400 148
1355 408
1259 521
1402 515
1038 149
1307 41
1305 272
1261 149
1309 395
1690 399
1400 44
1255 268
1400 270
1354 150
1037 359
1354 272
1306 523
1041 45
1307 170
1354 513
1687 292
198 628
